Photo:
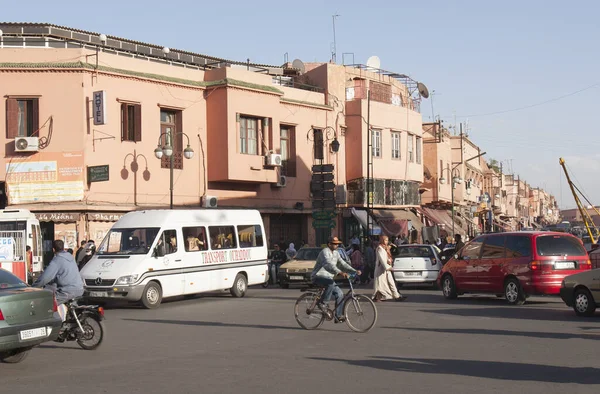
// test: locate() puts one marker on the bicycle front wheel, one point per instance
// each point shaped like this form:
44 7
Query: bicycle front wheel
306 318
360 312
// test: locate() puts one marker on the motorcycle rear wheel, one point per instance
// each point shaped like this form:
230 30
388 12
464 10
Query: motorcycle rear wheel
93 334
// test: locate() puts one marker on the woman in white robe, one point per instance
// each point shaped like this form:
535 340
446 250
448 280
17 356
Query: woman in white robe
385 285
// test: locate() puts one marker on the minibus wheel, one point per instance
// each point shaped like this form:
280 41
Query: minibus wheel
152 296
240 285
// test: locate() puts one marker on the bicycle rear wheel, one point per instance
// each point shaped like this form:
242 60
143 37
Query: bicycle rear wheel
305 318
360 312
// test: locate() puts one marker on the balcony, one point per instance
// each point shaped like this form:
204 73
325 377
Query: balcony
292 82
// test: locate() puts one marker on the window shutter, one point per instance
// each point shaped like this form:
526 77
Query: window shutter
137 125
12 114
178 130
124 122
292 151
35 117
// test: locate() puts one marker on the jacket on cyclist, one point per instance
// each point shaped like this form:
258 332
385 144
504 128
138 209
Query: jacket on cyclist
328 263
63 275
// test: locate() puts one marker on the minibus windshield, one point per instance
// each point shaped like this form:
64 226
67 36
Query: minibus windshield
128 241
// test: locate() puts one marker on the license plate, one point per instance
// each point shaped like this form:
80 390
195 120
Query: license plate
296 277
98 294
32 334
412 273
561 265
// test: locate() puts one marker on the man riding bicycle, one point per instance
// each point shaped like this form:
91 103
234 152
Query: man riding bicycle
329 264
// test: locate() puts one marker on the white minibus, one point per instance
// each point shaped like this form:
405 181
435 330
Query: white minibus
154 254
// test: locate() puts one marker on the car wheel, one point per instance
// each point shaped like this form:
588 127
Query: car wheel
583 303
152 296
14 356
448 287
513 292
240 285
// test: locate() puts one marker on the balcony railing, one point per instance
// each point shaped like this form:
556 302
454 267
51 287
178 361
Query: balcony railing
291 82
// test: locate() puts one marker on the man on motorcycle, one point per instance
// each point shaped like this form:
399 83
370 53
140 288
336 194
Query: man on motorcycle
61 275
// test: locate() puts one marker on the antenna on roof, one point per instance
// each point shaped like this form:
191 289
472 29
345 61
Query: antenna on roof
299 65
374 62
334 51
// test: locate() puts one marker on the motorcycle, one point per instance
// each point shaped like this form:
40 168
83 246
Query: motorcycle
84 324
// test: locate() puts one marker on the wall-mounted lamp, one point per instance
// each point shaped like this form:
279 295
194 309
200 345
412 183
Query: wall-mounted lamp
299 206
335 145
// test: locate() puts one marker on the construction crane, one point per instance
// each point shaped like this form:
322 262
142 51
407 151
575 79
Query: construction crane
591 228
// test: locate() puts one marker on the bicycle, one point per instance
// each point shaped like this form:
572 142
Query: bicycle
363 307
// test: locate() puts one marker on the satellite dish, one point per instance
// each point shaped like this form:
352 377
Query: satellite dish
298 64
374 62
423 90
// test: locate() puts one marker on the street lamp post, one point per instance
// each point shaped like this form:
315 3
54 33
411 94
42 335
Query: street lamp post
167 150
457 180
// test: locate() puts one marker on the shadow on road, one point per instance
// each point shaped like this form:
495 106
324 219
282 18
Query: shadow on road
59 347
480 369
213 324
472 331
510 312
438 298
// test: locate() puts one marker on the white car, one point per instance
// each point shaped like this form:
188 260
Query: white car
416 264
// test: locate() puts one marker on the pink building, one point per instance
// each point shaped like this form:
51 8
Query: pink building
86 112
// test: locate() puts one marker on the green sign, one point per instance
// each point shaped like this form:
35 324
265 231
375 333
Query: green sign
323 223
97 173
323 215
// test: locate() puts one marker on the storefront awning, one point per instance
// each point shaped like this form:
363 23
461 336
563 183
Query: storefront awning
389 215
362 217
443 218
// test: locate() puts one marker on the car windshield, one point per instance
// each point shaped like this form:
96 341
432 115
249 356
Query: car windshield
415 251
308 254
128 241
9 281
559 245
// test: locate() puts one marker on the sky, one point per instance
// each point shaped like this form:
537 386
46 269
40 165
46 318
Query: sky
520 75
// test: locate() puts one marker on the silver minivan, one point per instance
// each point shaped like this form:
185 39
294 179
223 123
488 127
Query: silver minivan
416 264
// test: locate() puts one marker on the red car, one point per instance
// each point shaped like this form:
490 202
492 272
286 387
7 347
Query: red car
514 265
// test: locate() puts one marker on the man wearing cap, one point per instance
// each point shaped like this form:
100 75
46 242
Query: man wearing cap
329 264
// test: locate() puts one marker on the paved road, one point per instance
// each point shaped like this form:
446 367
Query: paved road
218 344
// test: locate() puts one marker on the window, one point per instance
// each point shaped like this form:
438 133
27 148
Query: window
22 117
128 241
493 247
222 237
250 236
418 150
395 145
195 239
471 250
131 122
411 142
376 142
559 245
170 130
518 246
248 135
318 151
167 243
288 150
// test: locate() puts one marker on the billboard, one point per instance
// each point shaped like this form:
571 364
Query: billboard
45 177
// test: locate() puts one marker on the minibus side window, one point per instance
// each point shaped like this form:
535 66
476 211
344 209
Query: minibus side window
222 237
195 239
167 243
250 236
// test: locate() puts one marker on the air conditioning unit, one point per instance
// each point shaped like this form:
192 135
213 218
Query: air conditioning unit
282 181
26 144
273 160
209 201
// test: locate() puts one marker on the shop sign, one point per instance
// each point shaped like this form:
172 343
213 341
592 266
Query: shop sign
104 216
58 216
